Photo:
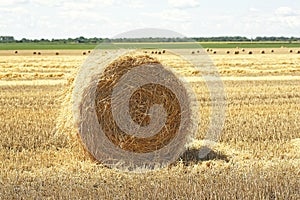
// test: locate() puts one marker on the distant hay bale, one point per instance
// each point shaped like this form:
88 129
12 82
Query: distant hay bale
164 51
39 53
193 52
298 52
57 53
16 52
262 52
228 52
272 51
207 50
215 52
89 51
243 50
291 51
155 52
98 92
83 53
236 52
250 52
198 51
159 52
152 52
34 53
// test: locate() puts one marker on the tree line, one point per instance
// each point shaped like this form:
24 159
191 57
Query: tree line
95 40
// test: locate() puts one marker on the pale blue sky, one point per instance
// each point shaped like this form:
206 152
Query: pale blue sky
106 18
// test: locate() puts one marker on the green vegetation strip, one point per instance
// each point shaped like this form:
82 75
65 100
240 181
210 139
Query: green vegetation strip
59 46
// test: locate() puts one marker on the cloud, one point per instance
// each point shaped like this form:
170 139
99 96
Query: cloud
287 16
17 11
280 21
285 11
76 6
135 3
174 15
12 2
254 10
47 3
184 3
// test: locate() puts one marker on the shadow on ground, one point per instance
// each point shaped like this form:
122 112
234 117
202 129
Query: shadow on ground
194 156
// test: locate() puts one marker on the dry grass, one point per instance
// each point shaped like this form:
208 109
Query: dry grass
257 157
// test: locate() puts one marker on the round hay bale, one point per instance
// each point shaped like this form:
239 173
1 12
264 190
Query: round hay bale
16 52
207 50
89 51
155 52
159 52
262 52
164 51
34 53
193 52
57 53
215 52
272 51
152 52
291 51
243 50
152 84
84 53
228 52
236 52
39 53
250 52
198 51
298 52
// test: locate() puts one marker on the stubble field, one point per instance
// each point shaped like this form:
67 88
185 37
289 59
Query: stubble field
258 156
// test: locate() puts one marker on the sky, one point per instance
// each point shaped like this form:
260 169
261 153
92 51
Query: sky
36 19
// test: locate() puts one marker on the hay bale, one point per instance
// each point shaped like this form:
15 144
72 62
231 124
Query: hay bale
250 52
243 50
34 53
159 52
298 52
94 114
152 52
16 52
207 50
236 52
291 51
84 53
164 51
193 52
89 51
215 52
228 52
272 51
262 52
39 53
57 53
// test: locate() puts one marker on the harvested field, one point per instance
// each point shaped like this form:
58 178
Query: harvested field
258 156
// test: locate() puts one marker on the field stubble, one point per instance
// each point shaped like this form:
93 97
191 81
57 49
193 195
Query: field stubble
258 155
